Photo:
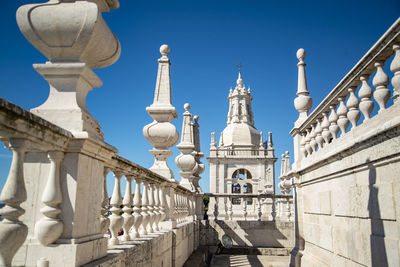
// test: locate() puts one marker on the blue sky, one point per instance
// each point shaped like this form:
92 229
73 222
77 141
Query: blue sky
207 40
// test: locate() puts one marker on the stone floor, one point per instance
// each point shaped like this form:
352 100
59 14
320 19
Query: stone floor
249 260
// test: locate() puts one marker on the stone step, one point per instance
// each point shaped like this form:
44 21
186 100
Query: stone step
249 260
256 251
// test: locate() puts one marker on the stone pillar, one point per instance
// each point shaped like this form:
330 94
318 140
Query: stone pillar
161 133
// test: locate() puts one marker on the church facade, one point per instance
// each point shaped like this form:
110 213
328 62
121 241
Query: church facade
242 163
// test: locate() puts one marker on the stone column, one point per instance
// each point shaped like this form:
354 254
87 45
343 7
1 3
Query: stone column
161 133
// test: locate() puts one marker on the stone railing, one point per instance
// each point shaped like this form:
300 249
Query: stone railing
161 204
220 152
331 119
261 207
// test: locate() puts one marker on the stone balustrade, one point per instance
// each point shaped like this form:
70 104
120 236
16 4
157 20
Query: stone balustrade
250 207
160 205
148 211
351 103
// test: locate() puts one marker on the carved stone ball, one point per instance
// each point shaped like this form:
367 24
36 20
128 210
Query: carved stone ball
301 54
164 50
186 106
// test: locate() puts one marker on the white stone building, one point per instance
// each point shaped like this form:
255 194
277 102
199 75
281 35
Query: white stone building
242 163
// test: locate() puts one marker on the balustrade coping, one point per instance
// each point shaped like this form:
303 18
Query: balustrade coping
247 195
15 110
64 141
128 167
381 50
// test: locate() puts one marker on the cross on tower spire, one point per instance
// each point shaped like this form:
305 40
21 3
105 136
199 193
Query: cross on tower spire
240 66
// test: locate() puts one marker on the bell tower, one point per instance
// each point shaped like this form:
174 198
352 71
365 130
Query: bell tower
241 163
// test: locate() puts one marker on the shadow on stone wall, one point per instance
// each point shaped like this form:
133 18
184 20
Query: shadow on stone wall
377 237
298 241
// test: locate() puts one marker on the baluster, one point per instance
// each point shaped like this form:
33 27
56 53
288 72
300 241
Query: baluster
365 94
244 206
352 103
333 127
307 142
145 203
156 208
342 121
211 206
326 134
137 217
162 203
259 213
395 68
186 205
116 220
273 211
303 150
50 227
176 208
191 207
230 211
216 208
127 209
288 209
318 131
104 220
313 142
150 209
12 231
380 81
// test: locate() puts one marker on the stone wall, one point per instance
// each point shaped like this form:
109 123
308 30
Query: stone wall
248 233
348 198
164 249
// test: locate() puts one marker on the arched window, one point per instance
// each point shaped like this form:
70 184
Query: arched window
235 188
241 174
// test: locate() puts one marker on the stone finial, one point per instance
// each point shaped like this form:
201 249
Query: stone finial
186 161
261 141
165 50
221 139
213 143
197 154
161 133
270 142
303 102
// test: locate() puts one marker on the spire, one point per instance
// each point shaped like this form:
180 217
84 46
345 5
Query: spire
240 103
239 81
162 93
